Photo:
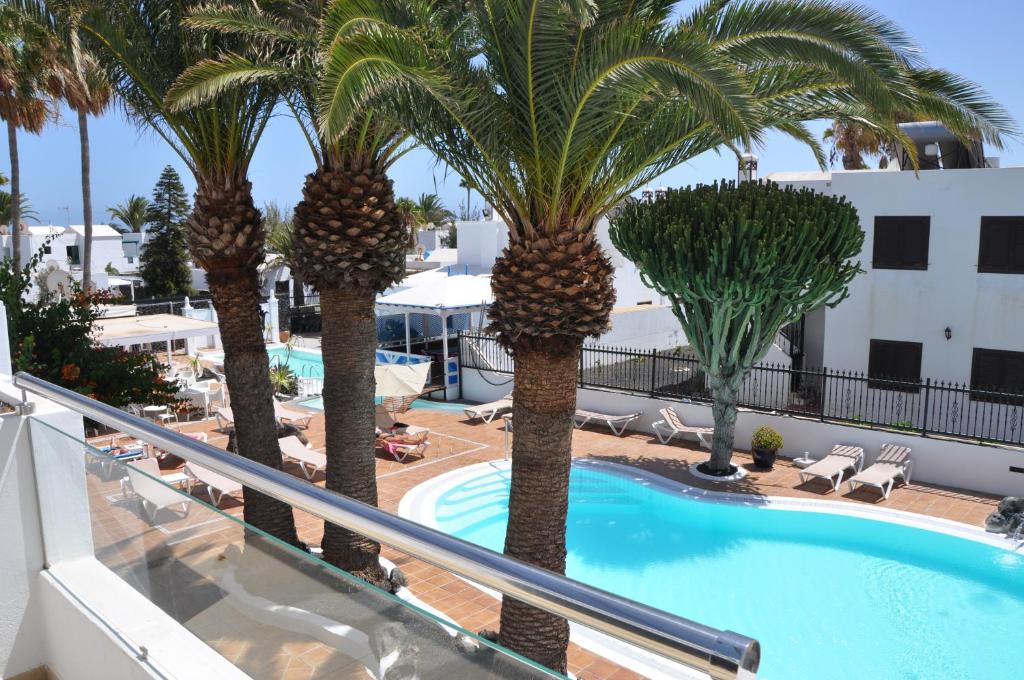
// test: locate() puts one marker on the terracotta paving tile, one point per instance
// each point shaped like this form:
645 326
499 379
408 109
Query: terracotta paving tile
123 538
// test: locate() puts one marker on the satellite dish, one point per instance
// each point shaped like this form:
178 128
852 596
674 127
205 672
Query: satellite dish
57 281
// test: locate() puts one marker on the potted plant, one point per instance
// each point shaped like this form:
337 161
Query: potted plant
765 445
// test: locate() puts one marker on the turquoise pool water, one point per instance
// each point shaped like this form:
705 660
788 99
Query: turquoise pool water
451 407
829 596
303 363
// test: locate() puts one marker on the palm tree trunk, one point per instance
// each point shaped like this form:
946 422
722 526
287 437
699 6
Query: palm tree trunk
247 369
349 350
12 143
724 392
543 405
83 136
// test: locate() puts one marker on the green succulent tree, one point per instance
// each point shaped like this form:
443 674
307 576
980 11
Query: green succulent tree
555 111
737 264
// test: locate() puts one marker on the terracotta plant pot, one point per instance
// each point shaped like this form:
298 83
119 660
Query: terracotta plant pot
285 335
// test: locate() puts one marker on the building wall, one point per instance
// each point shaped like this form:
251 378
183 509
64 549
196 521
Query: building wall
981 310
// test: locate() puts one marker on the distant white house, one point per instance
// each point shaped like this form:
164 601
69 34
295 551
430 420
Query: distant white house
942 293
65 246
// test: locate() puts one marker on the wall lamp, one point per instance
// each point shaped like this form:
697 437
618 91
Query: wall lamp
949 333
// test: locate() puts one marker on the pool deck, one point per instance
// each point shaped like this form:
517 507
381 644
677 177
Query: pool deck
458 443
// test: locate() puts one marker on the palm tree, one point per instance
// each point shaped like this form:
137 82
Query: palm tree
464 184
28 55
557 111
24 209
132 213
145 47
350 237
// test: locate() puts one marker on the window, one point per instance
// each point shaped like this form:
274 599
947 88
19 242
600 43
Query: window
996 370
131 260
892 365
73 254
47 249
901 242
1001 250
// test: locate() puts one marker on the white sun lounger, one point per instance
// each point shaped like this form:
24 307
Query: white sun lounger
299 419
617 424
672 424
386 422
487 412
833 466
893 461
225 418
310 461
217 485
155 496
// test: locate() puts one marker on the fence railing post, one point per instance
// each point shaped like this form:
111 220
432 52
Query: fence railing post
927 398
654 372
583 348
824 396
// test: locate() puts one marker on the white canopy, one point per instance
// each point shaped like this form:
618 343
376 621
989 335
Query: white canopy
443 296
400 380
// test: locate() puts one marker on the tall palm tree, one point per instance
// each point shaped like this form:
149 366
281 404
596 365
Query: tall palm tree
28 56
464 184
555 112
132 213
350 238
144 47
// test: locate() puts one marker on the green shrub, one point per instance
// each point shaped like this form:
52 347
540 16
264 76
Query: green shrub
51 338
766 438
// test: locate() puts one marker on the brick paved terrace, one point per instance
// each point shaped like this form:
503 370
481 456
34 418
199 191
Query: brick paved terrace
128 544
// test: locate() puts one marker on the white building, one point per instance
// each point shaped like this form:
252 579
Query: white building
942 293
641 318
66 245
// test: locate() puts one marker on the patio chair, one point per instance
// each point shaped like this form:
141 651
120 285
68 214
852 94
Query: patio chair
217 485
299 419
403 445
154 495
833 466
488 412
225 418
310 461
617 424
672 424
893 461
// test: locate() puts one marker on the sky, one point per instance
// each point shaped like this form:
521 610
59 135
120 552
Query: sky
977 39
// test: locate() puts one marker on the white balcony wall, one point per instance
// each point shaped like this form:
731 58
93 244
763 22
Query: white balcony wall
955 464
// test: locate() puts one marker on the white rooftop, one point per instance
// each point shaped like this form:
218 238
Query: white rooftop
442 295
98 230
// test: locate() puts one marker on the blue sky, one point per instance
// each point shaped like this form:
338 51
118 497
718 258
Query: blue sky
980 40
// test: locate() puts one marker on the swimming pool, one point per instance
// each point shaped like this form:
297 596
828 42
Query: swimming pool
828 595
308 363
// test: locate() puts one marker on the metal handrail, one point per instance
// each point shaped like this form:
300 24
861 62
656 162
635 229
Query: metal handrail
721 654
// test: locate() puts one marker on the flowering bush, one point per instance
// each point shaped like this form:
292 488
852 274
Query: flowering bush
51 338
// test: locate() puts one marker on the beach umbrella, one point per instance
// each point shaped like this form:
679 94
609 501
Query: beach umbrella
400 380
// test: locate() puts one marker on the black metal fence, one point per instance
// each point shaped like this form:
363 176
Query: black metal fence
171 305
926 407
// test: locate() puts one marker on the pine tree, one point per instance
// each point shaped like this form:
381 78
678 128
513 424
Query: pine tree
164 262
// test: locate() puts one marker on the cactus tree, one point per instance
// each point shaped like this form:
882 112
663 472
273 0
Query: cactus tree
738 263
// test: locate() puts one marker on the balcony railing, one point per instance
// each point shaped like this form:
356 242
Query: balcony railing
200 575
